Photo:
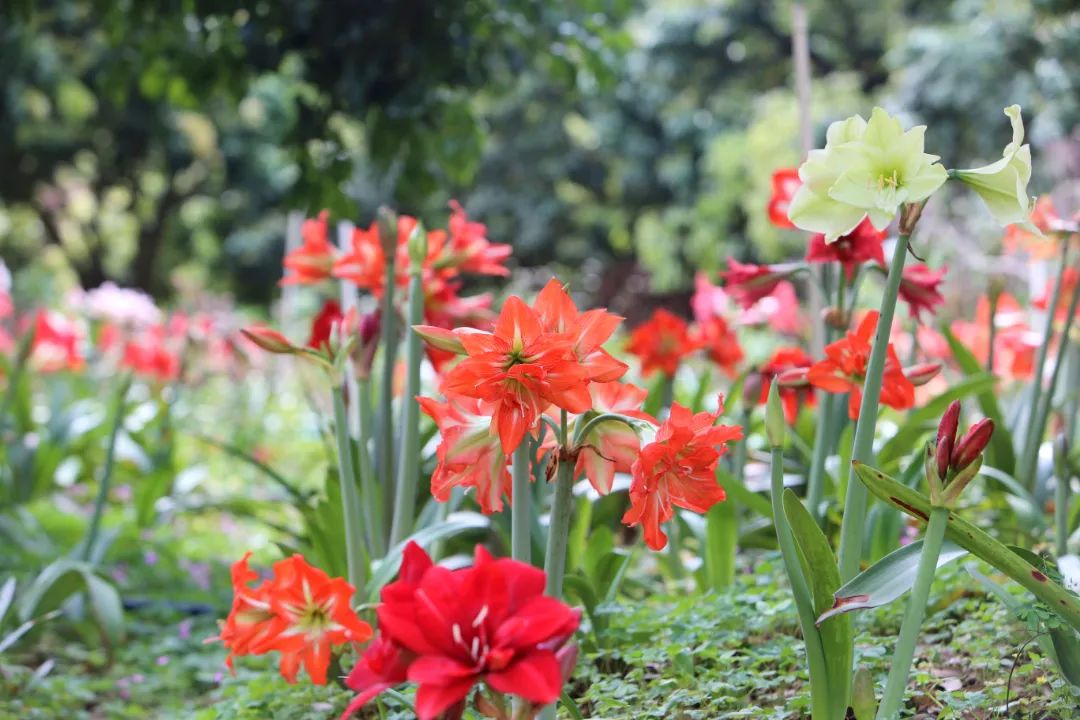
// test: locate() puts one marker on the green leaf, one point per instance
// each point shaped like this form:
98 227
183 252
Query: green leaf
7 595
743 495
60 579
455 525
977 542
106 606
887 579
821 571
571 707
1000 452
863 701
236 452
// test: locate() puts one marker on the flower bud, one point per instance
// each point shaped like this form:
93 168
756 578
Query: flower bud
269 339
418 247
370 327
794 378
567 656
972 444
954 488
388 230
934 480
751 390
440 338
836 318
946 438
922 373
775 425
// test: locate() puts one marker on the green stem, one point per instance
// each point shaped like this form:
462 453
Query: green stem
1048 397
106 474
371 497
991 332
562 507
22 355
384 449
815 654
350 498
1061 498
913 617
854 522
1029 455
409 462
815 483
521 510
722 521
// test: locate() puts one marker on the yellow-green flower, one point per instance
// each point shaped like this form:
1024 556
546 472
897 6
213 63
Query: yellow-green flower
1003 185
867 169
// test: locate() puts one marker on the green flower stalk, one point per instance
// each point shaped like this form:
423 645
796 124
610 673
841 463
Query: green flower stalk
384 448
106 474
521 510
1003 185
562 507
867 169
408 464
950 464
350 496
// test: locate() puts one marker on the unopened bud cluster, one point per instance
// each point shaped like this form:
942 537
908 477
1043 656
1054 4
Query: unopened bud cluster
952 462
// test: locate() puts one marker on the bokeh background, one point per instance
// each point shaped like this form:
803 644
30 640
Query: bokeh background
621 143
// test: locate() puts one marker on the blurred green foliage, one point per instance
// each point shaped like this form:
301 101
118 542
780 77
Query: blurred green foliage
141 141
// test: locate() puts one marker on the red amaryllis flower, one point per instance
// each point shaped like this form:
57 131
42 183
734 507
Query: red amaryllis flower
322 325
469 454
517 371
779 310
586 331
149 354
863 244
609 446
661 343
708 300
678 469
469 250
720 342
919 289
364 264
1015 343
1045 217
488 623
301 612
311 262
844 369
57 343
785 359
383 665
747 283
785 182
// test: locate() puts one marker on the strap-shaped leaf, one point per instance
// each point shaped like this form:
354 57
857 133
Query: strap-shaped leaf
455 525
886 580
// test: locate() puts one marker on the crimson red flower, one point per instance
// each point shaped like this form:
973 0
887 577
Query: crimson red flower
678 468
301 613
469 454
747 283
313 260
487 623
785 359
785 182
844 370
919 288
57 343
661 343
322 325
861 245
517 371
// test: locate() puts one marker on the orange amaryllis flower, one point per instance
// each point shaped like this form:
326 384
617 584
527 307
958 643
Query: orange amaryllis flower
678 468
469 454
720 342
784 360
1015 343
469 250
662 343
784 184
1068 286
517 371
312 614
586 331
1045 217
364 264
610 445
311 262
301 613
844 369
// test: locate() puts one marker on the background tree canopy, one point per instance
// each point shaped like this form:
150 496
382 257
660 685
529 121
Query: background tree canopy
143 142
